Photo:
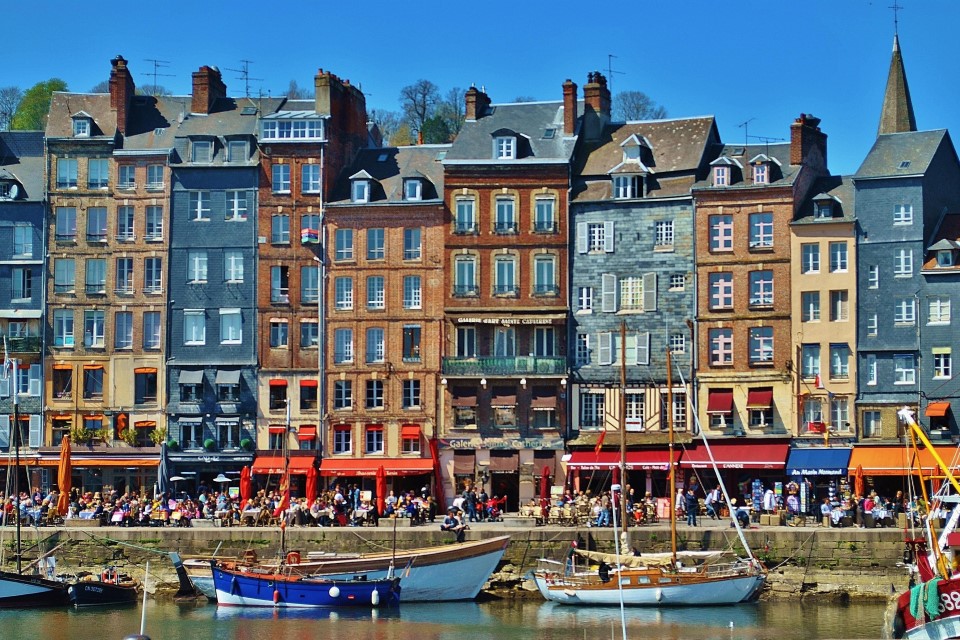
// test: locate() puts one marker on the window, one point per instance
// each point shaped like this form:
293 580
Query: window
904 311
544 342
154 177
374 398
360 190
22 281
810 258
721 233
293 130
903 214
812 410
465 278
544 282
125 224
278 395
196 266
761 288
343 244
411 244
343 394
279 334
154 217
376 292
280 285
939 310
505 342
97 224
839 306
505 220
409 443
543 216
721 290
191 392
810 306
199 205
92 382
873 276
280 229
375 244
308 223
584 298
124 276
126 178
309 284
663 234
760 174
66 224
505 283
411 343
871 424
412 189
411 394
903 263
838 257
194 327
872 324
309 395
310 178
98 173
93 329
721 176
341 439
582 354
942 363
63 383
374 437
66 173
343 346
840 414
376 347
822 210
761 345
465 221
202 151
839 362
23 240
63 328
505 148
233 265
761 230
678 343
152 275
721 347
631 294
810 360
231 325
945 258
228 433
466 342
598 236
96 276
151 330
871 367
625 187
343 293
144 385
309 334
81 127
236 206
904 369
591 410
678 281
412 292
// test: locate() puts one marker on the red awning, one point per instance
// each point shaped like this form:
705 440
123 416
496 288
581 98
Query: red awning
544 399
145 424
367 467
307 432
720 402
145 370
277 428
410 431
636 460
63 367
277 382
274 465
738 455
308 383
91 367
937 409
504 397
760 398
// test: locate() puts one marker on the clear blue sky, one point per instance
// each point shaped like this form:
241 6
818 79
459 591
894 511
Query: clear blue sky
767 61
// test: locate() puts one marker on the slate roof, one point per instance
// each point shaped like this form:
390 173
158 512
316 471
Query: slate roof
64 105
474 143
226 118
890 152
21 158
387 167
780 174
949 230
839 190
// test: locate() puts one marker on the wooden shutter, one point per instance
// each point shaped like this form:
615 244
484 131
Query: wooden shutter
5 386
608 236
34 388
608 293
643 348
605 348
583 237
650 292
36 432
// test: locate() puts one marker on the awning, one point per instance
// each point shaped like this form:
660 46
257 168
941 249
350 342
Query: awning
367 467
720 402
191 376
504 397
274 465
97 461
278 382
900 461
306 432
465 398
819 461
277 428
184 420
145 424
463 464
92 367
737 455
937 409
309 383
651 459
544 399
410 431
227 420
504 464
145 370
228 376
760 398
63 367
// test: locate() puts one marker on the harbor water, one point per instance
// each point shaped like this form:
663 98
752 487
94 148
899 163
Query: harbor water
498 620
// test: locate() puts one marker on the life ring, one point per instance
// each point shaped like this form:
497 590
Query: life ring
250 556
293 557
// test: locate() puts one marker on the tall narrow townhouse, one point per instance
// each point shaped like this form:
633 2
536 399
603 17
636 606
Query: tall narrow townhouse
746 379
506 185
104 315
304 146
632 268
385 317
212 328
22 215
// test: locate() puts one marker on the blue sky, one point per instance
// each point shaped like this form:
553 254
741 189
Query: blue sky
765 61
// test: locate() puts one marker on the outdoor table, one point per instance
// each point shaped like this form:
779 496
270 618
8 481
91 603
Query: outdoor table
249 516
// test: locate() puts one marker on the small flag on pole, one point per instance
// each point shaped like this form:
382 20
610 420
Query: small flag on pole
309 236
818 382
596 449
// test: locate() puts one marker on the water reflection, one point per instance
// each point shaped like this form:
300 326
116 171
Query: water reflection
738 617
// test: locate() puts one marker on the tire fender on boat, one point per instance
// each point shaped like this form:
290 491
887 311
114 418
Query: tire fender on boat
276 596
334 591
659 594
375 598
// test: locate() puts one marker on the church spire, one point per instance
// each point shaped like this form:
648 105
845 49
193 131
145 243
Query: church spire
896 116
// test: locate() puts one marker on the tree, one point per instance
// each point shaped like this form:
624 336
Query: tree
31 113
636 105
453 110
294 92
402 137
387 122
9 99
436 130
101 87
524 99
146 90
418 101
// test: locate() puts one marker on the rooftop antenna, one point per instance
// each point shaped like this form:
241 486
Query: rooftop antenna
157 65
745 125
245 76
896 23
766 140
611 71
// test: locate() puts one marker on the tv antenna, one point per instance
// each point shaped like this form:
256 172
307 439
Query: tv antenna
245 76
896 23
766 140
745 125
157 65
611 71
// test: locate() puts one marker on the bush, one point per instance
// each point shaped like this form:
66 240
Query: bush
209 444
246 444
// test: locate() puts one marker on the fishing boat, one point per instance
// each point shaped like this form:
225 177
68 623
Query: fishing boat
652 580
109 588
238 585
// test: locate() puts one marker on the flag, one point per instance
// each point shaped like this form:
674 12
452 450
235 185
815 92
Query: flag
596 449
818 383
309 236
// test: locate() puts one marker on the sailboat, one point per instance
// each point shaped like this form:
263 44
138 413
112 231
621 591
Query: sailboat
18 589
653 580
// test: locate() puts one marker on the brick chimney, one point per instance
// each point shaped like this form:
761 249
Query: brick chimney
569 107
345 108
207 87
477 103
596 109
808 145
122 90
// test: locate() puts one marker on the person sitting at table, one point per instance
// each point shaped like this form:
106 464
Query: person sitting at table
741 513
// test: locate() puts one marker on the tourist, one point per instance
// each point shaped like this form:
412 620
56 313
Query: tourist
692 505
453 523
712 503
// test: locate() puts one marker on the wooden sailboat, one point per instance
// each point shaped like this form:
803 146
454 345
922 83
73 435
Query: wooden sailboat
655 580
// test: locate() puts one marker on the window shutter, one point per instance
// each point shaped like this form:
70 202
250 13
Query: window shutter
643 348
36 432
605 348
5 387
4 432
608 293
650 292
608 236
34 388
583 237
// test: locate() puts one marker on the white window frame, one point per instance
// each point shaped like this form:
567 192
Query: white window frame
840 362
376 292
231 326
761 230
873 276
761 345
721 233
505 148
199 206
721 346
905 311
810 257
761 288
904 369
938 310
872 324
196 267
280 228
903 214
839 305
870 365
376 243
154 223
310 178
721 176
376 351
194 327
94 321
360 191
236 205
412 292
584 299
151 330
343 293
838 257
721 290
153 275
809 361
154 177
942 363
810 306
412 189
663 234
233 265
123 330
412 243
903 263
343 244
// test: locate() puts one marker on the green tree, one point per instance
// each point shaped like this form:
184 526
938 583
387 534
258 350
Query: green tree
636 105
436 130
401 137
31 113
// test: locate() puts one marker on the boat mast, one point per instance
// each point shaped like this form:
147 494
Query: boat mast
14 385
623 425
673 471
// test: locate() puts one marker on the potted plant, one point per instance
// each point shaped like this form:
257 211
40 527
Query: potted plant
246 444
158 435
173 445
209 444
79 434
129 436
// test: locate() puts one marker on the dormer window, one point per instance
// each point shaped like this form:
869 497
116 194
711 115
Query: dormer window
625 187
505 148
945 258
237 151
201 151
761 174
823 210
412 189
360 191
721 176
81 127
631 152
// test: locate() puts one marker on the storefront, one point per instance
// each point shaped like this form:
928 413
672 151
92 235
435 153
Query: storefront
888 468
403 474
822 470
646 469
268 472
740 464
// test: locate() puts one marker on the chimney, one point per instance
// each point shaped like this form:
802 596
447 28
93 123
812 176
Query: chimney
122 90
596 109
569 107
477 103
207 87
808 145
327 89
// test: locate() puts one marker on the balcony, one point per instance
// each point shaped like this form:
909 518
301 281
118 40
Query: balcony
507 290
97 237
545 226
465 291
546 290
462 228
24 345
504 366
505 228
